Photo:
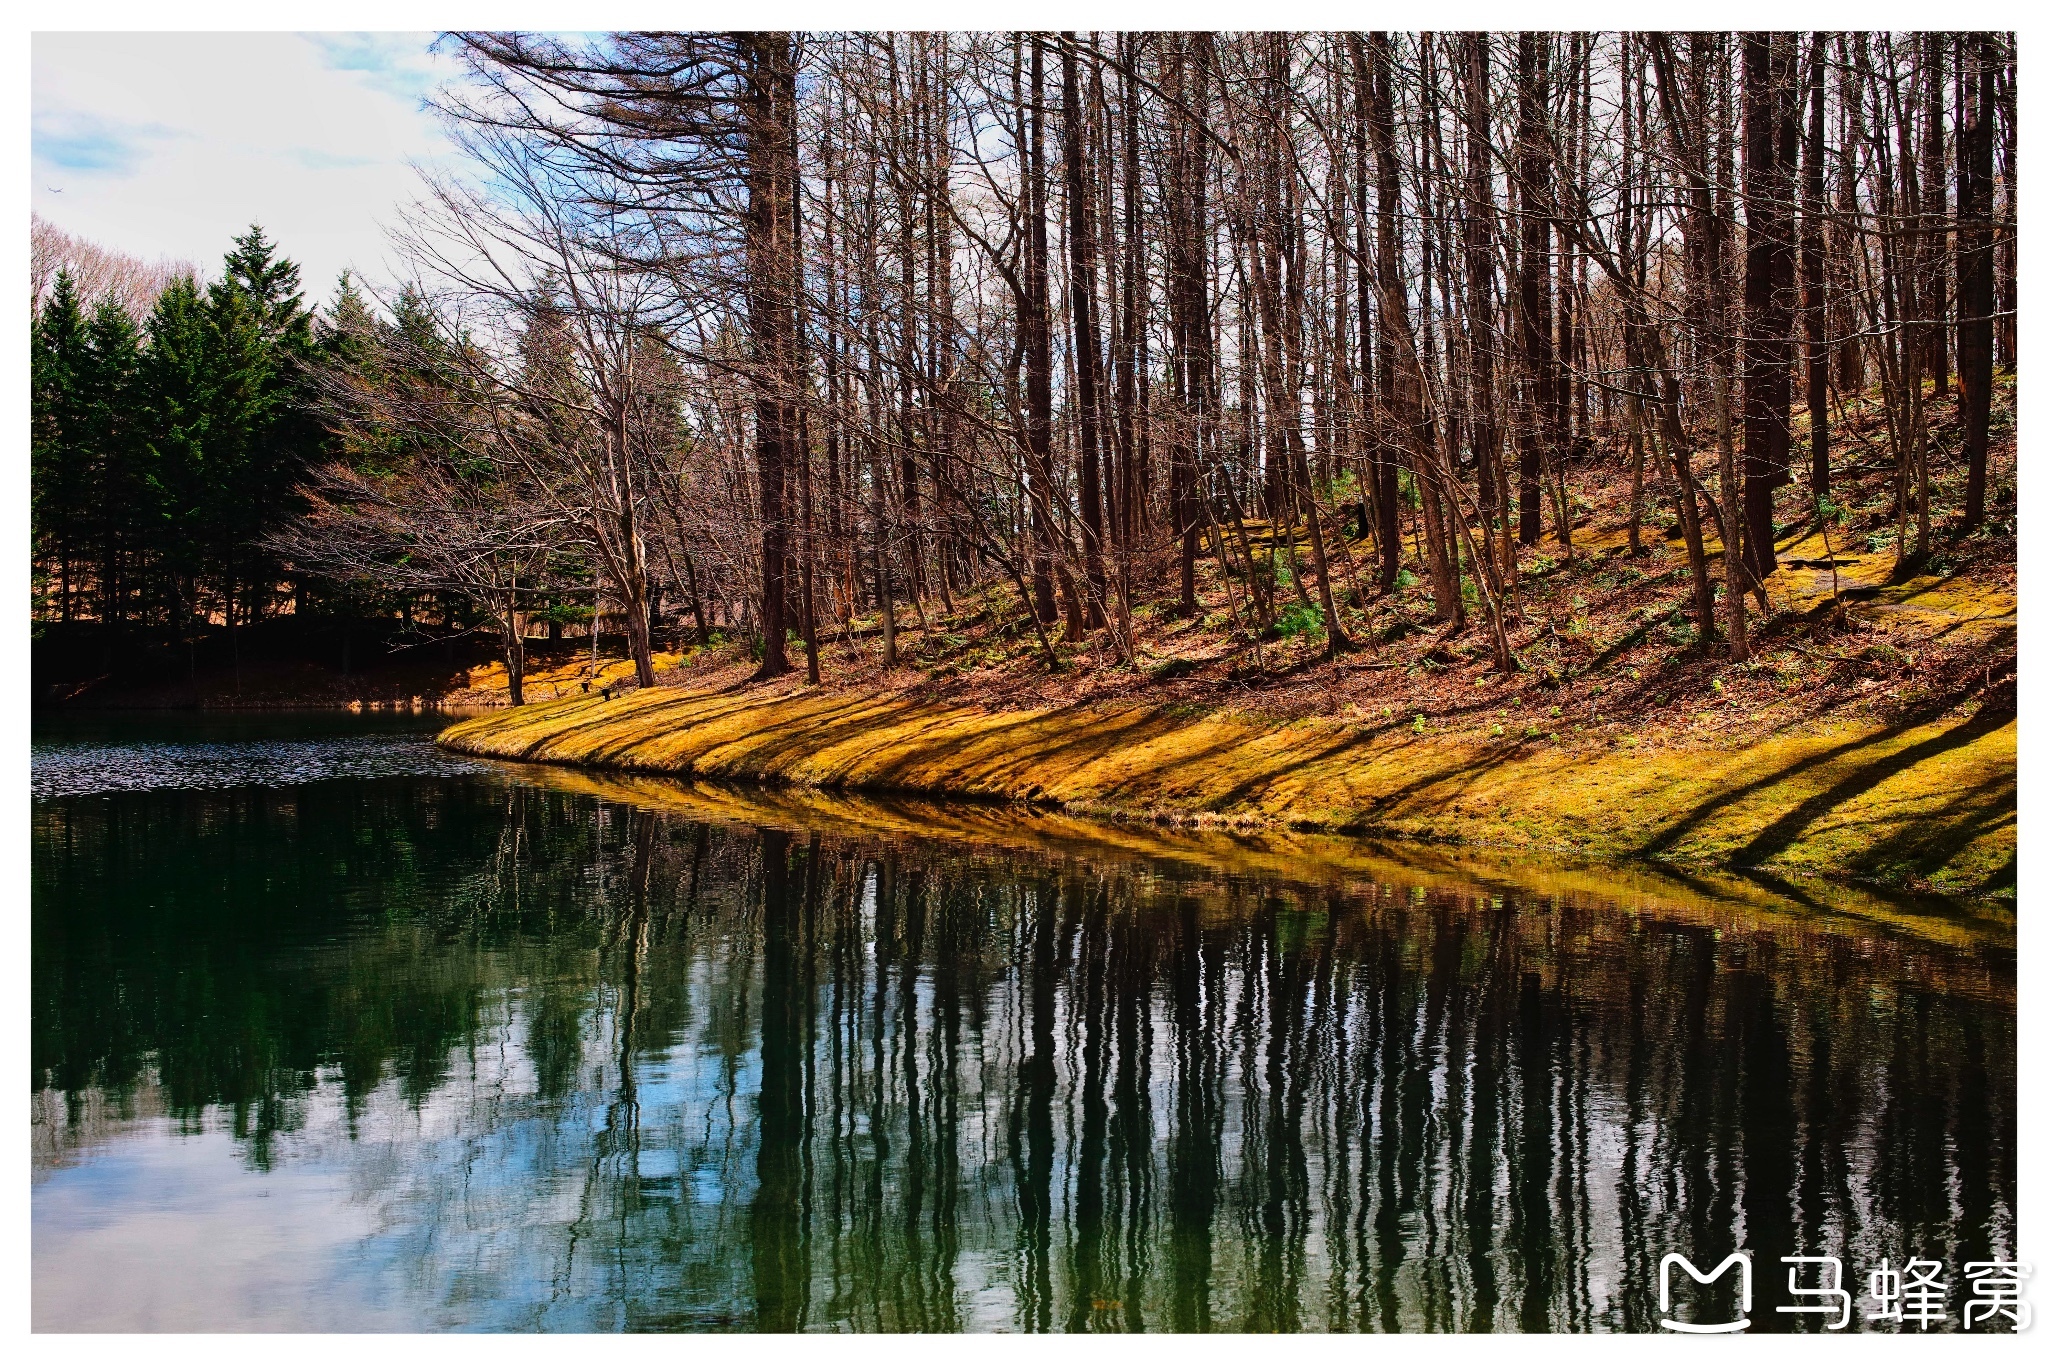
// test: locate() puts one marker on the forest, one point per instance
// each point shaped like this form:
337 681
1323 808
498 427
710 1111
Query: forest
1137 356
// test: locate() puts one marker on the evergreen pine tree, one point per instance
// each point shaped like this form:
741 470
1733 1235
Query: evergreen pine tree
267 431
243 462
116 519
344 332
59 487
272 285
176 416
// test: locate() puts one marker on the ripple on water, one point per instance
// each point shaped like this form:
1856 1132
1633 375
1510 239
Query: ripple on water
58 770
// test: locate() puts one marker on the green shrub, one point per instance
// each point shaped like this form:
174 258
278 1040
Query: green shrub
1297 619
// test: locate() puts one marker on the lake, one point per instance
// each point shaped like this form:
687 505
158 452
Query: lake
334 1031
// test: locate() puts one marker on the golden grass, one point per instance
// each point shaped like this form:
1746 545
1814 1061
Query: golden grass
1928 805
551 682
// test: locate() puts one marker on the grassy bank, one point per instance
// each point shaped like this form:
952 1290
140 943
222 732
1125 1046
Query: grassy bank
1870 735
1923 803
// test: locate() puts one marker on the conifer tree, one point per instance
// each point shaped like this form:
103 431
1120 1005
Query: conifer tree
109 446
172 393
57 481
271 284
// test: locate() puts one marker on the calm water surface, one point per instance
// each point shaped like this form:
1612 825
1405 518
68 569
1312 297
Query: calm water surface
334 1031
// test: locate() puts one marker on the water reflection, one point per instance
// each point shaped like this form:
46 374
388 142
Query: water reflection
570 1059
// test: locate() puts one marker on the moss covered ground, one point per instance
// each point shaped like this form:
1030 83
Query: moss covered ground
1925 803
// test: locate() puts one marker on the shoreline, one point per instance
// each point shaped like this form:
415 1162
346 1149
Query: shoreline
1926 805
1715 898
424 707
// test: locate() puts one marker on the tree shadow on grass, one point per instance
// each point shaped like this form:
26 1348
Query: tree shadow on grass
605 716
793 731
812 733
1060 741
1931 842
1783 831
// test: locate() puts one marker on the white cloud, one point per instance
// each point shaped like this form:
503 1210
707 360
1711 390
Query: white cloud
169 144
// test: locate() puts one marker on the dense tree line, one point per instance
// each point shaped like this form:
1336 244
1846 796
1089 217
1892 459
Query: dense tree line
165 449
792 335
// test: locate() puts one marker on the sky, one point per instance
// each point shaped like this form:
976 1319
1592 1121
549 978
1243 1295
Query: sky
170 144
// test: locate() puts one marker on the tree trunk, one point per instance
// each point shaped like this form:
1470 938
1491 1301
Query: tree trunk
1538 368
1037 327
1081 300
1186 232
1974 267
1813 269
1769 142
515 655
772 282
1934 209
1479 239
1386 274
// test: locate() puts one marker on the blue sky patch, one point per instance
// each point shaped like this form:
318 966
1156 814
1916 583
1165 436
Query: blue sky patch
83 143
395 63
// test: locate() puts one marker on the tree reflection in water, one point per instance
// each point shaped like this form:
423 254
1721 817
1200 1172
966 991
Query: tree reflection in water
594 1064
